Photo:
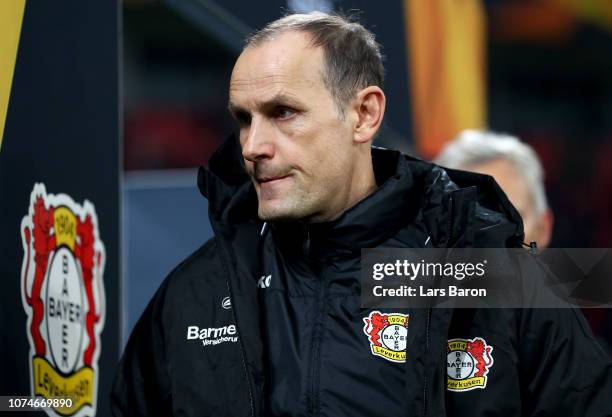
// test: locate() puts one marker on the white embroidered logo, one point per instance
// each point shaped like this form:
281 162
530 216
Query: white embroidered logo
213 335
264 281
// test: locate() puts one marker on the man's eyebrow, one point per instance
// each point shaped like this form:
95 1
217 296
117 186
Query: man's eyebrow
280 99
234 109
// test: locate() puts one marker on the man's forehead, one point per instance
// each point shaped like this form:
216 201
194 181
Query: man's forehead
282 63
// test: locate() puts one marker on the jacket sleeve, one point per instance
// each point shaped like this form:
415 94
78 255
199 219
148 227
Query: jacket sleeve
142 383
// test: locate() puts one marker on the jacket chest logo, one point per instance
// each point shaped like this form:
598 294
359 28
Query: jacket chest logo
212 336
468 363
264 281
387 334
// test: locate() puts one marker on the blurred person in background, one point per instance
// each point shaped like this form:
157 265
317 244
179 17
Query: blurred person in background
515 167
518 171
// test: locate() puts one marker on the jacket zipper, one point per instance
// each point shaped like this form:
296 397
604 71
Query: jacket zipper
315 355
227 266
313 400
242 351
449 233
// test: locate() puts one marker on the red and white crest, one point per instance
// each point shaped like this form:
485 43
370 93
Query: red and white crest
468 364
388 335
63 296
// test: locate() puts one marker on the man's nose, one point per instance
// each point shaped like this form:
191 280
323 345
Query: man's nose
258 143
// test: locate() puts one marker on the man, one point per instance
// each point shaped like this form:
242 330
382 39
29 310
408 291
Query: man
265 319
515 167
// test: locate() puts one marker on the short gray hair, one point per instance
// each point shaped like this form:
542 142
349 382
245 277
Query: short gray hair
352 57
476 147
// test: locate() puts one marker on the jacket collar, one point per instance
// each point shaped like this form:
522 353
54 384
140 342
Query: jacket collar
367 224
227 186
408 188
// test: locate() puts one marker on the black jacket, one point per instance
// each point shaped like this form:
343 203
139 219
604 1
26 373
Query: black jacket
208 343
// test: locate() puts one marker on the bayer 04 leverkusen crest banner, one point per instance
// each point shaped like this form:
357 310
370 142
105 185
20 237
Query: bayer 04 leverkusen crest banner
63 296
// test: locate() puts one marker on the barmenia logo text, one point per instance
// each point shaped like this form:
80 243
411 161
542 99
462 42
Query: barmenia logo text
212 335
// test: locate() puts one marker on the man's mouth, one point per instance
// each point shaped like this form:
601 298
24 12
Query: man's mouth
270 179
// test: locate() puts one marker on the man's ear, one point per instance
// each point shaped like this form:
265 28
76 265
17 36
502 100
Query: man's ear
369 106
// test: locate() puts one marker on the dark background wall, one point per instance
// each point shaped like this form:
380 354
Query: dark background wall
62 129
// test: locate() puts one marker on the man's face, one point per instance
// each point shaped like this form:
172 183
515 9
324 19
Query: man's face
297 149
515 187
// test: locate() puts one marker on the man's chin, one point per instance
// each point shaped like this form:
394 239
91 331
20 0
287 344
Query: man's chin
280 215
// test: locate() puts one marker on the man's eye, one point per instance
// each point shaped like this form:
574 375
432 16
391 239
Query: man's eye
282 112
243 119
